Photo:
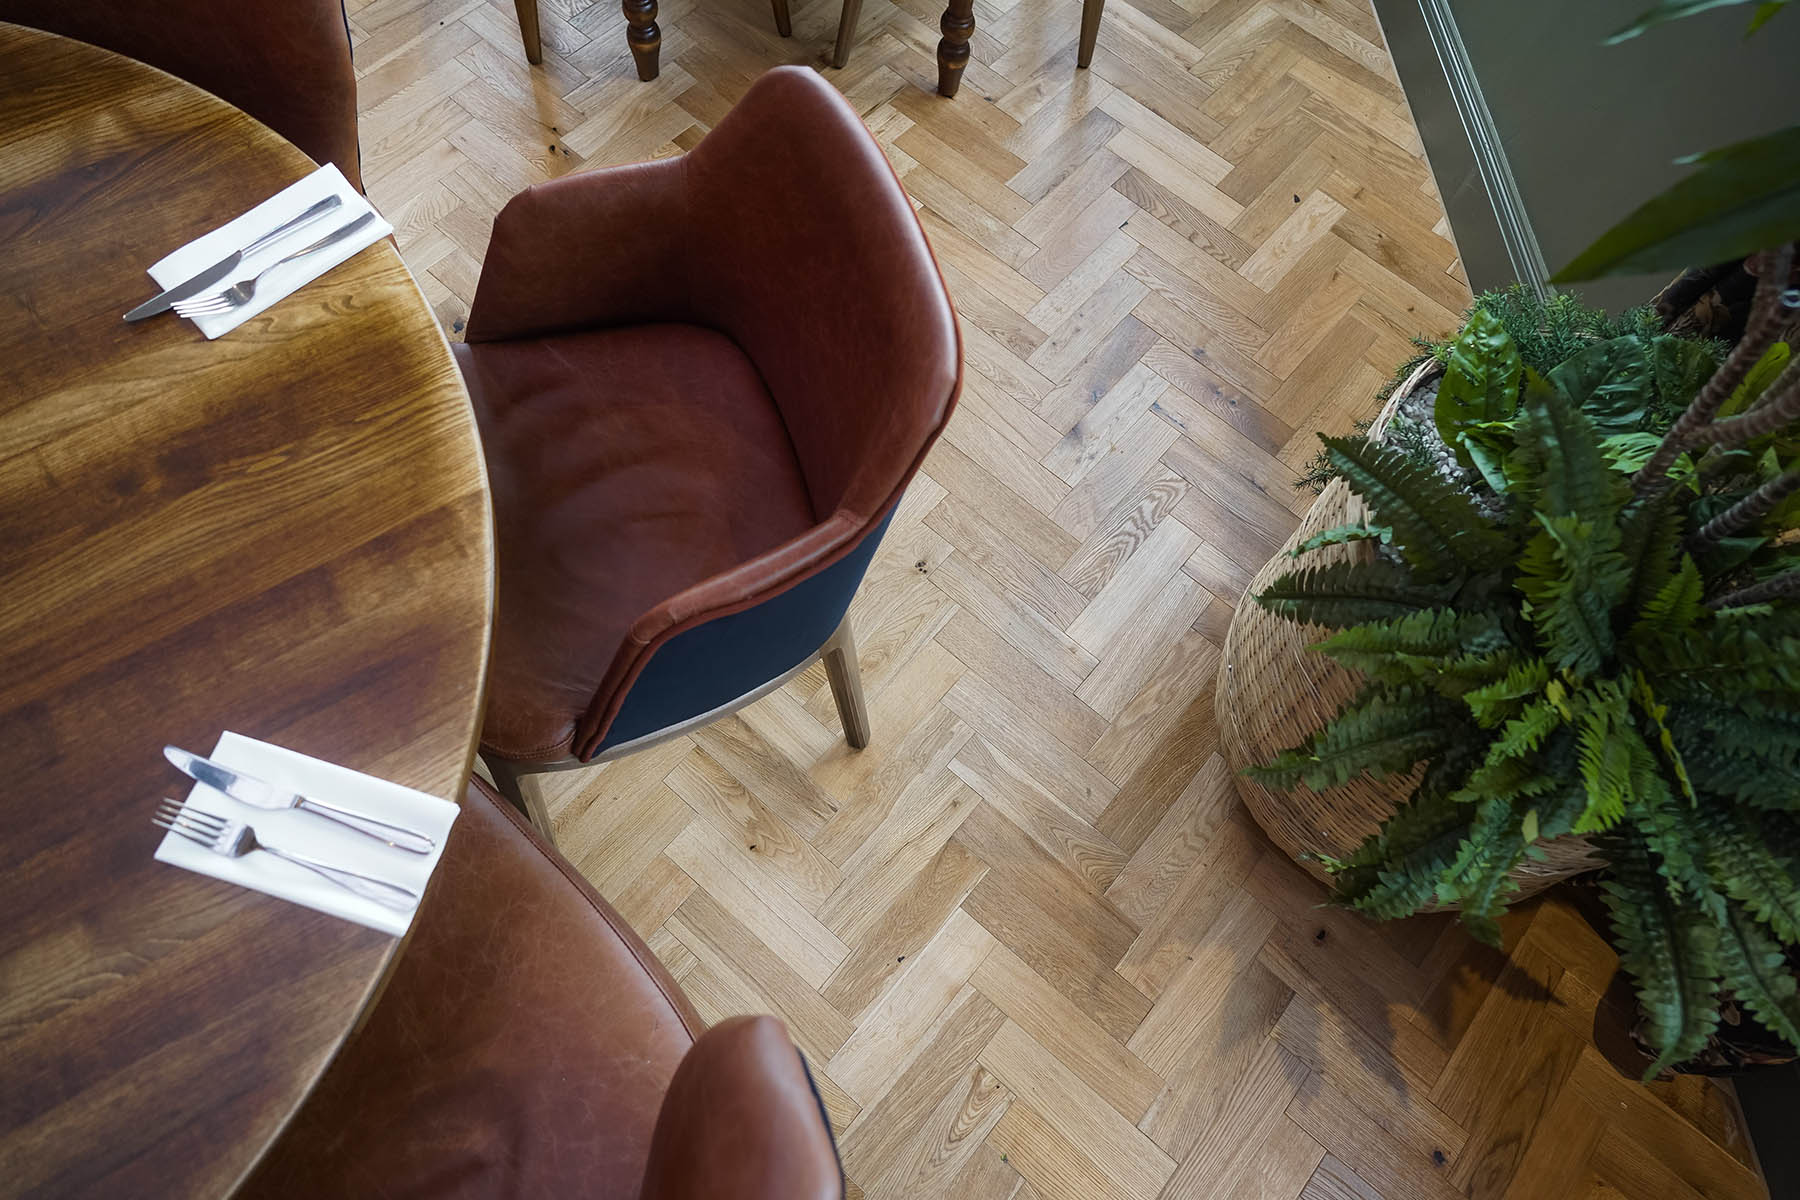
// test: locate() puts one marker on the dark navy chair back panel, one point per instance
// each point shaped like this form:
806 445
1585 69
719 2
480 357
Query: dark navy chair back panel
713 664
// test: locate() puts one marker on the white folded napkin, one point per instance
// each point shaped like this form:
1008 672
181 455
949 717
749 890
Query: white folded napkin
307 833
283 206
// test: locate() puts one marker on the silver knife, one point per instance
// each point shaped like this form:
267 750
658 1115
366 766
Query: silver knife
247 789
225 266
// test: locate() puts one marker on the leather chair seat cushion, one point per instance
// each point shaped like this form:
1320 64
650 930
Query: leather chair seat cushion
626 465
522 1047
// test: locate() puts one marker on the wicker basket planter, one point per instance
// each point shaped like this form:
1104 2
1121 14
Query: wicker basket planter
1274 691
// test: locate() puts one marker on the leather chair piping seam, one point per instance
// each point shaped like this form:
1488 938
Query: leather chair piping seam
581 885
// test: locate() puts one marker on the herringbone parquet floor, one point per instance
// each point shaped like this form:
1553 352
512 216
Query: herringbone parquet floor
1029 938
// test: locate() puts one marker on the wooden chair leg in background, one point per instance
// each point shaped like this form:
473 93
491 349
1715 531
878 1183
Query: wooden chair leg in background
528 29
953 51
852 11
520 787
1090 30
784 25
644 37
845 675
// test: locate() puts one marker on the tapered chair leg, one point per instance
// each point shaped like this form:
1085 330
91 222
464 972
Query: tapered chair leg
847 18
784 25
520 787
1090 30
846 684
528 29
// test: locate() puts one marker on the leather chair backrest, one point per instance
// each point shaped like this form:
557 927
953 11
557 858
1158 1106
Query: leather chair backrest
285 62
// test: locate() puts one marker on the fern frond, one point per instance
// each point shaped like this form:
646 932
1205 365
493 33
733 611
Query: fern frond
1670 951
1567 467
1613 758
1437 528
1524 733
1381 732
1406 647
1480 878
1573 576
1504 698
1756 971
1343 534
1739 858
1344 594
1675 606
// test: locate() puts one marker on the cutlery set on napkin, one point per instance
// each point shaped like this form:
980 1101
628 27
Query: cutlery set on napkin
306 830
224 278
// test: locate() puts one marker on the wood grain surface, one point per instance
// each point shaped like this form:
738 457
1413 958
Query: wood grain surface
284 532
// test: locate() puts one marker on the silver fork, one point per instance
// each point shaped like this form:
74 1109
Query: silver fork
234 839
244 290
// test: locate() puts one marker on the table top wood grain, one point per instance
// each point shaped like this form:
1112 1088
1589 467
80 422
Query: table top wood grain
284 532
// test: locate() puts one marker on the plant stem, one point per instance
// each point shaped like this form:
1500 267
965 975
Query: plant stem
1776 587
1749 510
1779 405
1767 316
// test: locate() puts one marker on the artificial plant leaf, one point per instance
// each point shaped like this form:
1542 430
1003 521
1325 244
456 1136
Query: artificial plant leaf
1670 951
1743 198
1765 12
1523 734
1504 698
1437 528
1611 383
1756 381
1487 458
1756 971
1416 644
1764 882
1676 606
1382 732
1342 594
1675 10
1480 382
1612 756
1560 446
1573 577
1681 368
1480 877
1340 535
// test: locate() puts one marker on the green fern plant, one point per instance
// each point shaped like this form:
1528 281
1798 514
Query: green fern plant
1619 657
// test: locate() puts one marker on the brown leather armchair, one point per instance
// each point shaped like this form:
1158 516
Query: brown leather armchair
702 385
528 1044
287 64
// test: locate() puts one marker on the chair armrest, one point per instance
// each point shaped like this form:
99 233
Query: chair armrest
585 251
742 1121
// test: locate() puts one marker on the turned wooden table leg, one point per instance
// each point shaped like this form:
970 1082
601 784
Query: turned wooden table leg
528 29
643 35
1090 30
953 50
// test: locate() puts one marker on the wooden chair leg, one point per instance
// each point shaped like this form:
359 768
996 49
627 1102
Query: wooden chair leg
845 675
953 50
783 24
847 18
518 784
644 37
1090 30
528 29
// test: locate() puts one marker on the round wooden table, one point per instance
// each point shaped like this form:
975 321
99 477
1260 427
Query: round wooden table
285 532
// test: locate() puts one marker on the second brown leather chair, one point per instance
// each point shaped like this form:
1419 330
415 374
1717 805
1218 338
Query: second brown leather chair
287 64
702 384
529 1045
